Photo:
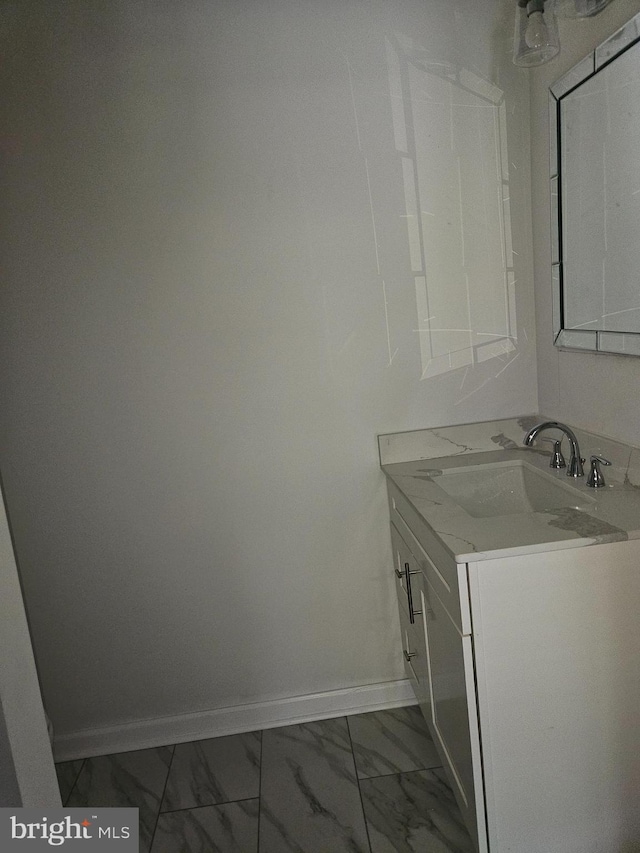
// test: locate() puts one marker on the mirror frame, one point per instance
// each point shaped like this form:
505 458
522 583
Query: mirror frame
619 343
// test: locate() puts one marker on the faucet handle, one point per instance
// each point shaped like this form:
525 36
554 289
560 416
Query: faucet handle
596 477
557 459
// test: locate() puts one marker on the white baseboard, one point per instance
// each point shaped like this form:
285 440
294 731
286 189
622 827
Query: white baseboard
164 731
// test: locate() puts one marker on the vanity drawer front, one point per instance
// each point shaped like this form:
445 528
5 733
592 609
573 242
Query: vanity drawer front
448 578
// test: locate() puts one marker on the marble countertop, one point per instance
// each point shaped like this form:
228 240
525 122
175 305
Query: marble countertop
610 514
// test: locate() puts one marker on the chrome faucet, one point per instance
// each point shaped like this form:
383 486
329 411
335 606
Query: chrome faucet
596 477
575 468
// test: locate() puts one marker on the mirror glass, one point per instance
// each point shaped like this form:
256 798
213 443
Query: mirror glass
595 186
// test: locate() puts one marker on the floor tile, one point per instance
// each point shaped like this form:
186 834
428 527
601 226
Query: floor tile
127 779
394 741
414 813
217 770
310 802
67 772
229 828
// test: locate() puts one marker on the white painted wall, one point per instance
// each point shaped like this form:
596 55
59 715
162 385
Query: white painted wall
215 298
597 392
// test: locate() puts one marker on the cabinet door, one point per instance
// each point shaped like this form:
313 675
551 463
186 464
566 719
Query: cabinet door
453 709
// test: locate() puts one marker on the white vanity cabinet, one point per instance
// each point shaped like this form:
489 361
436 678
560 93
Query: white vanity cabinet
527 669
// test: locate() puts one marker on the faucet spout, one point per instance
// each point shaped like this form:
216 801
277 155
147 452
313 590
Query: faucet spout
574 468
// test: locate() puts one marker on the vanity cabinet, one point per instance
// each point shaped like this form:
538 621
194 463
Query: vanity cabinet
527 670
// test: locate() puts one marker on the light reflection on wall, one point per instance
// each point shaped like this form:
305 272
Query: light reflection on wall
451 134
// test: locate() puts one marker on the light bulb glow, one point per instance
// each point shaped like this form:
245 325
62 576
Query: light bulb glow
536 35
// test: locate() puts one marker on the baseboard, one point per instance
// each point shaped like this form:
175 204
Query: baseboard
163 731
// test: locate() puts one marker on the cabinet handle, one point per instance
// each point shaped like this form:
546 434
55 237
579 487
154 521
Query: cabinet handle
408 655
407 575
400 574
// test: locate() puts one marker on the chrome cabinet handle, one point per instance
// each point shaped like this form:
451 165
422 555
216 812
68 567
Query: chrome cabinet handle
400 574
407 575
408 655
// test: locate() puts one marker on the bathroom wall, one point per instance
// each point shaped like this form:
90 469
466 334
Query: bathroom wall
243 238
597 392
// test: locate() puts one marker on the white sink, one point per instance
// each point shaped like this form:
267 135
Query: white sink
507 488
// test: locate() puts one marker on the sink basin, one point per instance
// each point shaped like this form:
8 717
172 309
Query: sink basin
507 488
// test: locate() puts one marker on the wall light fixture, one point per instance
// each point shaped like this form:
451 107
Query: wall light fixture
535 40
536 35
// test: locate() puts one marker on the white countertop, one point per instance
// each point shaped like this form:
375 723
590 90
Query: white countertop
609 514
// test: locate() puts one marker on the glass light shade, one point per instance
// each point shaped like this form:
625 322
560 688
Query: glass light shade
535 39
580 8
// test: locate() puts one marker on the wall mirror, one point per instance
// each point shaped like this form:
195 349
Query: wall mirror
594 118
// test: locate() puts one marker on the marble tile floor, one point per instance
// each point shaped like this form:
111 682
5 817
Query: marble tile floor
368 783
